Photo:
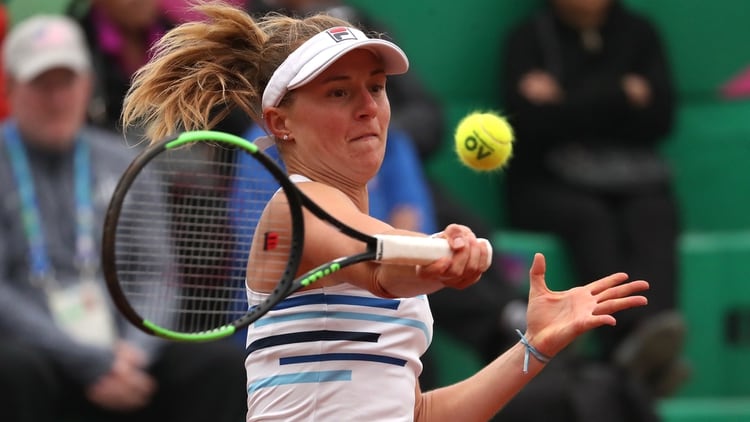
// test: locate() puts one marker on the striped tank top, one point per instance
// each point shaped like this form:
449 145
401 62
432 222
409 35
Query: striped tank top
336 353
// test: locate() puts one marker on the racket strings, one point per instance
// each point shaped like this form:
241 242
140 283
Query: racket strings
184 232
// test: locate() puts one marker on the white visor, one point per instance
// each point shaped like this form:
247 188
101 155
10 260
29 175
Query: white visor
319 52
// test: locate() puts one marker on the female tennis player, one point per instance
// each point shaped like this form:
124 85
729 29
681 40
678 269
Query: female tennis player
349 346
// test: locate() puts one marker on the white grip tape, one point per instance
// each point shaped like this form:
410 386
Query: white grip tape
415 250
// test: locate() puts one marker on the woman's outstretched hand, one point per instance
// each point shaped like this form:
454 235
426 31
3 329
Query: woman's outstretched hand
555 319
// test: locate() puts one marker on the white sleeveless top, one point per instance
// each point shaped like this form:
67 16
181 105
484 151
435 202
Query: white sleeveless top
336 353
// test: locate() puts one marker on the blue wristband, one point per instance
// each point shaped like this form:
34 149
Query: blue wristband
541 357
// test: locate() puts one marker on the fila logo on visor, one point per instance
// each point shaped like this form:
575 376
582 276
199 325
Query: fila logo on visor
341 33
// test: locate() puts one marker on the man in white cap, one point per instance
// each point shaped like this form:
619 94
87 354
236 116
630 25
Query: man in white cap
65 352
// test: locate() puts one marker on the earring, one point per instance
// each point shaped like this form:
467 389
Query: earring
285 137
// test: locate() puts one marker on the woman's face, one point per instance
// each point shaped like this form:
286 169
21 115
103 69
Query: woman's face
339 121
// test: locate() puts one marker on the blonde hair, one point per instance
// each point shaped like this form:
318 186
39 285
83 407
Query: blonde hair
202 70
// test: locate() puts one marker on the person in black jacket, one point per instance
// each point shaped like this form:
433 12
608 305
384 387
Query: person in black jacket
588 89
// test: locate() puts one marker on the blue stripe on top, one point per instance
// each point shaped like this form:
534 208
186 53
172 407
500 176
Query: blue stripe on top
300 378
330 299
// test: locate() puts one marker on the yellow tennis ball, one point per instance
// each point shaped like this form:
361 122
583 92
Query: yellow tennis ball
484 141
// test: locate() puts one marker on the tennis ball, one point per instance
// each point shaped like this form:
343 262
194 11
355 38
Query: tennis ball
484 141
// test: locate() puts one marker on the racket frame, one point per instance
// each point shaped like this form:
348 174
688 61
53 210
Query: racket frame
112 216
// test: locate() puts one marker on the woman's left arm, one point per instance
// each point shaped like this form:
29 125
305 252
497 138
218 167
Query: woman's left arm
554 320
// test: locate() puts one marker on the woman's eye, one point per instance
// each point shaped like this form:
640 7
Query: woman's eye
338 93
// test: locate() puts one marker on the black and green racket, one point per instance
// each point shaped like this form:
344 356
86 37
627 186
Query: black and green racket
182 220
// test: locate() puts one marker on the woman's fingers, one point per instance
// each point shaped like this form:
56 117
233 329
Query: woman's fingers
616 305
465 267
618 297
536 273
623 290
605 283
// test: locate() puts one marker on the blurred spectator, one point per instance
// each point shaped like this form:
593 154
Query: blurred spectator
589 90
66 352
119 35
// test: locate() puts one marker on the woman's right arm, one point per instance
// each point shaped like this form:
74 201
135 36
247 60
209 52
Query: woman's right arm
324 243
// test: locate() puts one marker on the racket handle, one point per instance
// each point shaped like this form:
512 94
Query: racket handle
415 250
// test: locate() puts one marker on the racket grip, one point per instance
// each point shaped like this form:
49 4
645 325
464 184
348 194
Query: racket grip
415 250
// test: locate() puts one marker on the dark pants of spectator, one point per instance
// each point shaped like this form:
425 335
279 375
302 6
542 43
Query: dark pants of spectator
606 233
196 382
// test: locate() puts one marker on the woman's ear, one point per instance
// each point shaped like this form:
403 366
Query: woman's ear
275 122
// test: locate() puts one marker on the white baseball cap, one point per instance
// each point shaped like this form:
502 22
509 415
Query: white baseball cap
319 52
45 42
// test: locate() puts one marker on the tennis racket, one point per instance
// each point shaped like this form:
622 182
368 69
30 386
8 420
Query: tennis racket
181 222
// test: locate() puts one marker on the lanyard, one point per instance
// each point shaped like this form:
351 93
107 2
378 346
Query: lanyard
41 267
